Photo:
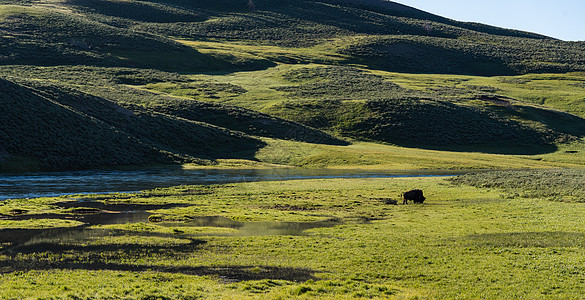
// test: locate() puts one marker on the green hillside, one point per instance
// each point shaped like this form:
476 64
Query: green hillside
384 35
120 85
91 83
51 128
46 33
365 106
385 108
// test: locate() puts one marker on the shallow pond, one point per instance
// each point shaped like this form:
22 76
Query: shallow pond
48 184
59 236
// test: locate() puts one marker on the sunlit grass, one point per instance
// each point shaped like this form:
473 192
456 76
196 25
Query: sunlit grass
387 157
255 90
463 242
38 224
495 235
321 53
503 105
560 91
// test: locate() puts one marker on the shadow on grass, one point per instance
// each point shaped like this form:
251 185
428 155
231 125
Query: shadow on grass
229 273
120 207
445 126
426 56
72 249
433 124
137 11
247 121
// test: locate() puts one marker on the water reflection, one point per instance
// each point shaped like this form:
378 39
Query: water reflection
116 218
257 228
81 238
99 218
108 181
59 236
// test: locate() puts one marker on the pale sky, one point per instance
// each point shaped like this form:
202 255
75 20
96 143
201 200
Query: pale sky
561 19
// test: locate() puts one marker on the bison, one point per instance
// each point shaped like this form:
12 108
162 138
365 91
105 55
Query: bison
415 195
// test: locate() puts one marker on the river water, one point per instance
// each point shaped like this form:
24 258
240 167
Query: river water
51 184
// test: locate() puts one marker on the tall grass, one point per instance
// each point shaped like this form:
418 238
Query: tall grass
558 185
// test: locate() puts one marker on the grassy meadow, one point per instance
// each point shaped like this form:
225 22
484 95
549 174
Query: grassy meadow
467 241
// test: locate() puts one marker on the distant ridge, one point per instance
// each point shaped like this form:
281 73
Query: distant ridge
385 5
402 10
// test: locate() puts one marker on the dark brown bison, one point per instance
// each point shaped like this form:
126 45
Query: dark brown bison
415 195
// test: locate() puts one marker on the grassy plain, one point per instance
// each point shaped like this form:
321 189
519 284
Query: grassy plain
464 242
362 155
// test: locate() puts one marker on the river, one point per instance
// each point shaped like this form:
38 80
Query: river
49 184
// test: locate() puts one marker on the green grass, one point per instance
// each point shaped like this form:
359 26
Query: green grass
464 242
11 10
362 155
133 33
203 82
323 53
309 62
560 91
38 224
537 131
469 54
558 185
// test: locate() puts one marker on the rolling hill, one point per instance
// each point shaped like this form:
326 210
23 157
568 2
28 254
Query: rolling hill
51 128
385 35
91 83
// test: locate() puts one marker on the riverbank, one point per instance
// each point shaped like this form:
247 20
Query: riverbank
54 184
285 157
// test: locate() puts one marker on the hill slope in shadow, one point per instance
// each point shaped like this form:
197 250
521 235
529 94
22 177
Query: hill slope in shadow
53 129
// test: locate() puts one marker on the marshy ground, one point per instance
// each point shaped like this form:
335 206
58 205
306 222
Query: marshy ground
468 240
